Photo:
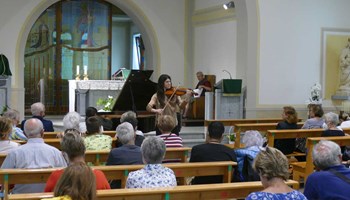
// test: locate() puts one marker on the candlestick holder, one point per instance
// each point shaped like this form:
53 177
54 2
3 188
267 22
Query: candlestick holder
77 77
86 77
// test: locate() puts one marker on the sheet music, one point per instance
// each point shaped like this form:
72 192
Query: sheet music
197 92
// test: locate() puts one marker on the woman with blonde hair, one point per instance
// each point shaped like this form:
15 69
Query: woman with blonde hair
272 167
290 119
5 130
76 183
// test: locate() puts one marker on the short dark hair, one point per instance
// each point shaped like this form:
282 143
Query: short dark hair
93 125
317 110
90 111
216 129
73 144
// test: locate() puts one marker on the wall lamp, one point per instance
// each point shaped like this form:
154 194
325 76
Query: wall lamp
228 5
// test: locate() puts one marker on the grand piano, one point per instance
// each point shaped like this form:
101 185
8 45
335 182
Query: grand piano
135 95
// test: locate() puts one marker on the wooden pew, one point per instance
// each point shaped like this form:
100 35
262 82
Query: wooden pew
295 133
120 172
96 157
51 135
193 192
233 122
110 133
262 127
55 142
304 169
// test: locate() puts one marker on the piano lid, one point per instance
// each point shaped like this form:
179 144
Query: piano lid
136 92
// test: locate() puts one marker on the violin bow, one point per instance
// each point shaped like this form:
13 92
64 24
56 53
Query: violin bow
167 103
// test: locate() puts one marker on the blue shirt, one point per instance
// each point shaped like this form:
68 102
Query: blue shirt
48 126
241 153
276 196
151 176
125 155
34 154
17 134
326 185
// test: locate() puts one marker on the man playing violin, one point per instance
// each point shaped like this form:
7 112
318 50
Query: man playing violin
162 104
202 83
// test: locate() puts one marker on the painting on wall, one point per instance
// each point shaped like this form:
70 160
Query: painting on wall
335 62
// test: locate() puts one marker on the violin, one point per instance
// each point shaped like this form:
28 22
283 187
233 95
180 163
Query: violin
177 91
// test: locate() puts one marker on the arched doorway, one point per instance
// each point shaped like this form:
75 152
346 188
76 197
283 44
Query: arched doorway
55 48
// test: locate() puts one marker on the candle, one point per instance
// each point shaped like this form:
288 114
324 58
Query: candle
77 69
85 69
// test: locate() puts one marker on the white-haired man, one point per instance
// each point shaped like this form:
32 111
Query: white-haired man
332 182
38 112
33 155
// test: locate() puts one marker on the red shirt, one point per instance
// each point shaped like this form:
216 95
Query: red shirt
101 180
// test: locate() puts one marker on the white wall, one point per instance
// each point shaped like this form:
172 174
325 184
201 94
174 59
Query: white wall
214 41
290 46
167 17
215 49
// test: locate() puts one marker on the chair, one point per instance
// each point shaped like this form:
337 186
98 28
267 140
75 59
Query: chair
198 105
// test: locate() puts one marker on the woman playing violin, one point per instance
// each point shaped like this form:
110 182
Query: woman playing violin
162 104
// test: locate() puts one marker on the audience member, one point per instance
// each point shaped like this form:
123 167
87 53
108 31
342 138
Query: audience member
166 123
33 155
94 139
5 130
332 120
253 142
130 117
76 183
72 121
17 133
344 119
315 121
128 154
38 112
153 175
212 151
272 166
107 125
332 181
290 119
73 150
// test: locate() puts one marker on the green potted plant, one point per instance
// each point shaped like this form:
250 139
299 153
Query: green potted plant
231 138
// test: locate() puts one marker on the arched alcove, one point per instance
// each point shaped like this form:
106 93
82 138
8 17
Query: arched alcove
129 7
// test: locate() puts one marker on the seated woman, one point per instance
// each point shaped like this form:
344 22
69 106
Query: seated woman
153 175
290 119
253 142
5 130
315 121
94 139
272 166
17 133
76 182
73 150
166 123
331 120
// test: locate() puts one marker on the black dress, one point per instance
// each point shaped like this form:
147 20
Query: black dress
286 146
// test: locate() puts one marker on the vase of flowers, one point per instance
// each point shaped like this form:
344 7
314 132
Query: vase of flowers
106 104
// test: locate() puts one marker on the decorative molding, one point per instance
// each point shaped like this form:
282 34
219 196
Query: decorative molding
100 84
211 15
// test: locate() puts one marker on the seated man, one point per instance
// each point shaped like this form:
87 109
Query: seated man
203 84
212 151
332 182
38 112
128 154
107 125
34 154
130 117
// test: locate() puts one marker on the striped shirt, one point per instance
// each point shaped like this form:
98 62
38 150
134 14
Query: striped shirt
171 140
